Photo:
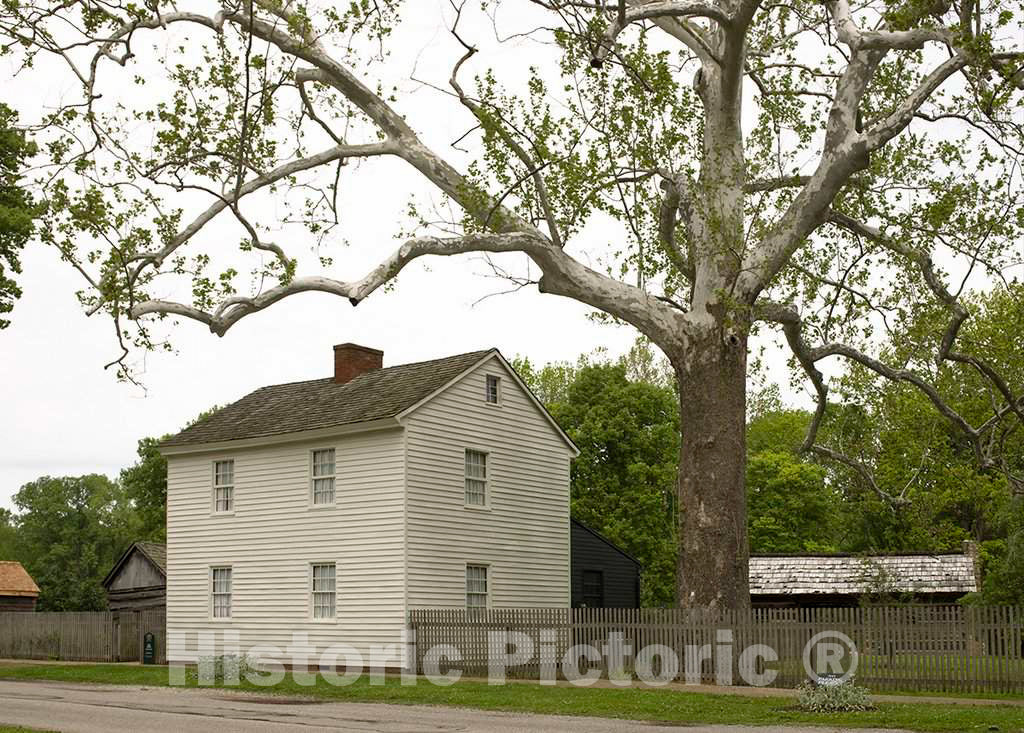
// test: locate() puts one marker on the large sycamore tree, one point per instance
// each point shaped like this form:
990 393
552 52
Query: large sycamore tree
706 170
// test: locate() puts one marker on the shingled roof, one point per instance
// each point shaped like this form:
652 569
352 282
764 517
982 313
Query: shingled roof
323 403
15 580
790 575
155 552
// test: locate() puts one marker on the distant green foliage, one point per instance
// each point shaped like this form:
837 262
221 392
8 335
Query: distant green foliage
790 508
624 481
914 452
17 210
70 532
777 431
1002 561
8 535
145 483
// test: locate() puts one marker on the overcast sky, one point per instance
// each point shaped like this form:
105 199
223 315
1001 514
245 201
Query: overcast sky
63 414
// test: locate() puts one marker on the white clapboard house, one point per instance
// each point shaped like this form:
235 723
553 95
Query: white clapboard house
331 507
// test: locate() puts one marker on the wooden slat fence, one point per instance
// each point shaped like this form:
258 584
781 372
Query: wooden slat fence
93 636
912 648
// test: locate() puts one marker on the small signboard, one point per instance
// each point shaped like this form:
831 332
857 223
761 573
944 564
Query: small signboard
149 648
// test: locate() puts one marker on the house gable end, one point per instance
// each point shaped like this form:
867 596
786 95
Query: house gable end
510 373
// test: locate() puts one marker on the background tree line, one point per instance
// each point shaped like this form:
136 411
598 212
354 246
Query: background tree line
68 531
915 487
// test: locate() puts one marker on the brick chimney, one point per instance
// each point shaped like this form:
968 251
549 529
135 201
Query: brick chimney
351 360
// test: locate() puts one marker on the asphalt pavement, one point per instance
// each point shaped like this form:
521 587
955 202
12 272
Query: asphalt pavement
76 708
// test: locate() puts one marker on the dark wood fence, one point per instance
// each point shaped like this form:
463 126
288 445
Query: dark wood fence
100 636
913 648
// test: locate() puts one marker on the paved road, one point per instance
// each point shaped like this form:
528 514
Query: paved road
101 709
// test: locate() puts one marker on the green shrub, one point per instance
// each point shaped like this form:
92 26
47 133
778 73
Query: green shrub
845 697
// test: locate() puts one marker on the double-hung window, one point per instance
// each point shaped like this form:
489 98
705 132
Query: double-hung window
323 476
324 594
476 586
476 478
220 592
224 486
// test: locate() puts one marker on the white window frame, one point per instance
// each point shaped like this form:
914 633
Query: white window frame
314 477
228 487
497 389
488 585
333 618
467 478
229 593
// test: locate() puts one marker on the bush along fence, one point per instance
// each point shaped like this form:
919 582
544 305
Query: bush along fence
911 648
94 636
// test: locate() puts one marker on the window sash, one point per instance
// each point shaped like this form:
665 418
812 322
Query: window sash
323 490
476 478
323 462
492 389
324 591
224 498
224 473
476 586
220 591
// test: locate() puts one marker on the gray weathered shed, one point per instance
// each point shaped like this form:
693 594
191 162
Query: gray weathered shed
841 580
139 578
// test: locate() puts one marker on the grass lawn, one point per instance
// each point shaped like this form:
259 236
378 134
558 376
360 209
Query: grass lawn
19 729
631 703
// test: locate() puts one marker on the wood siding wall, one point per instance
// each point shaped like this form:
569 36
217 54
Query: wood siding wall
523 534
137 599
17 603
137 572
620 574
274 535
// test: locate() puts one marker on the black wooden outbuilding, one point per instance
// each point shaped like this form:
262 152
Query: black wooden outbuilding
603 575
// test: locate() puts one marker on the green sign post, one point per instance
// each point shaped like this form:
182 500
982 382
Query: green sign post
149 648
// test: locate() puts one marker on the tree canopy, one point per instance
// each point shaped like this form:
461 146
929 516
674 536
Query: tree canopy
17 210
699 170
624 480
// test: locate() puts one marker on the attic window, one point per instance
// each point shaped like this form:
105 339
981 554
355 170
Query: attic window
493 388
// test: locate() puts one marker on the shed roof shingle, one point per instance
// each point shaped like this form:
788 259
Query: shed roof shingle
838 574
15 580
322 403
